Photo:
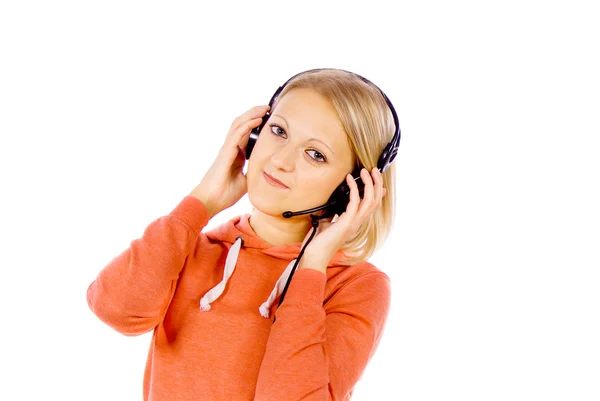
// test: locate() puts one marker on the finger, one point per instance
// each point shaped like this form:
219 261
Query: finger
354 196
379 190
367 202
255 112
239 137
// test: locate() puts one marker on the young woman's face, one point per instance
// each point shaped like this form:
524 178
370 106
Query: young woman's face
303 145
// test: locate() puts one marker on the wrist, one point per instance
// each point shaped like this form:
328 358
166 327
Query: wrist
209 209
312 262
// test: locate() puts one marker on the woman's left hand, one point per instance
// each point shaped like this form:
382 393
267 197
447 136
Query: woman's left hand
331 235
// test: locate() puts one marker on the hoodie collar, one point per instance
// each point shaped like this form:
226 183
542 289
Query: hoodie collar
238 232
240 226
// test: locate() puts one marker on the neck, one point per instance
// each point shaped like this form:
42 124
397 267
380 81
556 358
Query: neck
277 230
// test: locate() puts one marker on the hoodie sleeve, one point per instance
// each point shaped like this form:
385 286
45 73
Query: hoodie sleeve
316 352
132 293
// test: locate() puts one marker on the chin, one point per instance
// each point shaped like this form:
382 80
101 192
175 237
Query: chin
273 206
266 203
274 202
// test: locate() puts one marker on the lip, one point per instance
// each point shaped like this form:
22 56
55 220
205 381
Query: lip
274 182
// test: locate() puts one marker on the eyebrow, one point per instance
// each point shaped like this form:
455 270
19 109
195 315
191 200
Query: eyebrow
310 139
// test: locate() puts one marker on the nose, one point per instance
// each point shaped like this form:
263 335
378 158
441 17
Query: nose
283 157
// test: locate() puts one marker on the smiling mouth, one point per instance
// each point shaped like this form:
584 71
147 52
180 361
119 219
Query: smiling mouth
273 182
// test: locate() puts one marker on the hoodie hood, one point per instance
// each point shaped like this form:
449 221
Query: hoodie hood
239 234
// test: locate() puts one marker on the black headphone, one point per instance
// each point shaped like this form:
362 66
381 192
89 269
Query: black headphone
338 201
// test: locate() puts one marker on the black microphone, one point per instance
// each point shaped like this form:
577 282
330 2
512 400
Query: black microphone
289 213
336 203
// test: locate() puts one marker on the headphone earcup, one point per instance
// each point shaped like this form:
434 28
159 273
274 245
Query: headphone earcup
341 196
254 136
251 142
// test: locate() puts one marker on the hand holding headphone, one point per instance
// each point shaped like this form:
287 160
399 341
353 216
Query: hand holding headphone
224 183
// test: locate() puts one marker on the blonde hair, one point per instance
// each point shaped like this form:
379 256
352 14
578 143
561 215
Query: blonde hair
369 124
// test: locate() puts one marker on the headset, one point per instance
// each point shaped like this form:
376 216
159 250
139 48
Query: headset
339 199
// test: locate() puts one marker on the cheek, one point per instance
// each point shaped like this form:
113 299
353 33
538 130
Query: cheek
260 151
258 156
264 139
253 170
317 186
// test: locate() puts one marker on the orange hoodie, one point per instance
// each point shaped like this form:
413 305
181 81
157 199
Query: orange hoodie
210 298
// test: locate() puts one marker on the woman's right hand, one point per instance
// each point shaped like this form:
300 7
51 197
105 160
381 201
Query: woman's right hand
224 183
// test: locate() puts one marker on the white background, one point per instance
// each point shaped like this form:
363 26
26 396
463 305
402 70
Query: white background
111 112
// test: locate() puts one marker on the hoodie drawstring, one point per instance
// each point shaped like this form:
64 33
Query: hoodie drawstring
230 263
277 290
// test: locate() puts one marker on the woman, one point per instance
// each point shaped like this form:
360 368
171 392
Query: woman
208 296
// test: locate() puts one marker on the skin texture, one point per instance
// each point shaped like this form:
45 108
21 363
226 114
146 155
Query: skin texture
286 152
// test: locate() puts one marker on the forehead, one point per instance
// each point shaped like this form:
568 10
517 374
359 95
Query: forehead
311 115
